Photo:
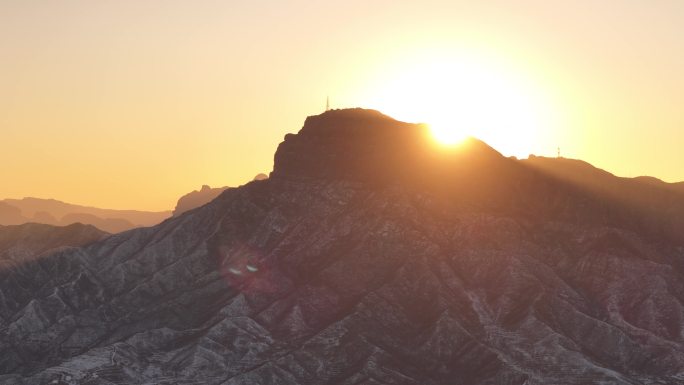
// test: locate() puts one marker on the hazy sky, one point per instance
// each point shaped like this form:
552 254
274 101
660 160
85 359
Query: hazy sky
132 103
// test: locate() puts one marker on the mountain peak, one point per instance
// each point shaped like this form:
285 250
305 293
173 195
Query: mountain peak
366 145
349 114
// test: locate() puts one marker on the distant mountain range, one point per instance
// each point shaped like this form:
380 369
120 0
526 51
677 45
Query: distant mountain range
54 212
57 213
370 256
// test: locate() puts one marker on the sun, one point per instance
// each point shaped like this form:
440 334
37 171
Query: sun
460 96
446 134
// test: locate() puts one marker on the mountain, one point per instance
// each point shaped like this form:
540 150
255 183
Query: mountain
369 256
54 212
203 196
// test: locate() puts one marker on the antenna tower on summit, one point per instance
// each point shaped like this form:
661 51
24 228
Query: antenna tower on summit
327 103
558 152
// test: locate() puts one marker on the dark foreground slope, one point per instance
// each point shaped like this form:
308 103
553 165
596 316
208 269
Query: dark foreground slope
368 257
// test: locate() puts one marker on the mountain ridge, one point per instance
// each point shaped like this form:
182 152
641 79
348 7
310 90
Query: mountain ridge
363 273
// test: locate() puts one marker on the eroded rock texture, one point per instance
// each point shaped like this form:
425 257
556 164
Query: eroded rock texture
368 257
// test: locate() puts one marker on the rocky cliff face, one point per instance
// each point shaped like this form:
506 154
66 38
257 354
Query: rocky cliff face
369 256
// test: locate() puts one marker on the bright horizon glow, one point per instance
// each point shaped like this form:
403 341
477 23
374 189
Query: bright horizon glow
131 104
463 95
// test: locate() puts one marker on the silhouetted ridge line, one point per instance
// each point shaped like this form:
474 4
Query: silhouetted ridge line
368 147
365 145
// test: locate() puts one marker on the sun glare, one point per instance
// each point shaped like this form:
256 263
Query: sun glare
460 96
446 134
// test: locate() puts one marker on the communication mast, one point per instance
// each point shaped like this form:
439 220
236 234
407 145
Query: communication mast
327 103
558 152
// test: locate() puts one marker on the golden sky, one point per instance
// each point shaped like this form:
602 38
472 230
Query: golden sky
132 103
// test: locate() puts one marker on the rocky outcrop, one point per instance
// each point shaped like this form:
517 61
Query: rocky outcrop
360 145
260 176
353 264
203 196
197 198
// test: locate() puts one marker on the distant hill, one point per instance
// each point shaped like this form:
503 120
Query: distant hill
54 212
10 215
112 225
